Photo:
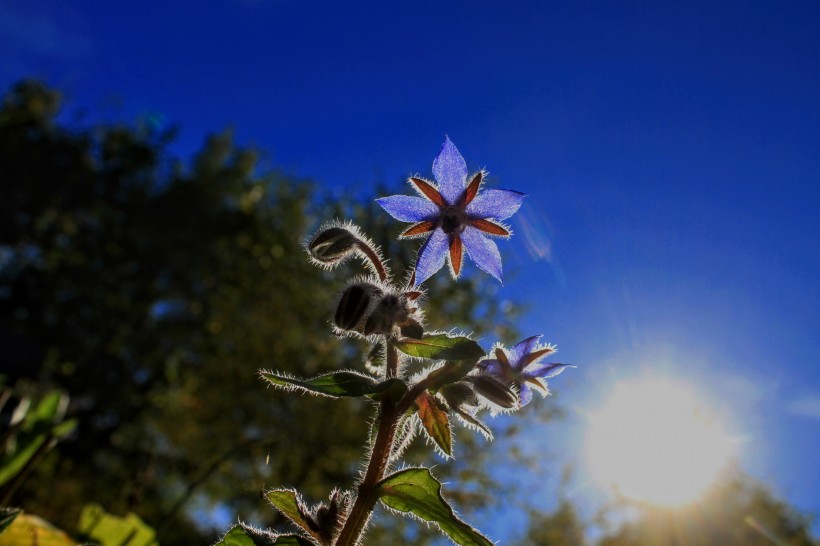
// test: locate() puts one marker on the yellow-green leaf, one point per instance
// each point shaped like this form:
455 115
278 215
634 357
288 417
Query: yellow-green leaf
441 346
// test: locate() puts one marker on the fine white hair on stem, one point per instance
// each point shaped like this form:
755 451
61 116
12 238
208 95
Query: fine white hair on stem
361 246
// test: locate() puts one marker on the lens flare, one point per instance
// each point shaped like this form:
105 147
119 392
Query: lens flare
654 440
538 235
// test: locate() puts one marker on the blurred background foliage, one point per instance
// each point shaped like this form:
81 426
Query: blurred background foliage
145 292
151 291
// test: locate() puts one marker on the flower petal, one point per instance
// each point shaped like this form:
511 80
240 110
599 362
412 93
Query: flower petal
499 369
497 204
450 171
520 350
545 370
431 256
492 367
482 251
406 208
524 394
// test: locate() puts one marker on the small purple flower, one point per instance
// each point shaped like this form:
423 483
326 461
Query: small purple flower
456 215
522 367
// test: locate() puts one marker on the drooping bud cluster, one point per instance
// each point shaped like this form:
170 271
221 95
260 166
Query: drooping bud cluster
356 300
369 309
332 245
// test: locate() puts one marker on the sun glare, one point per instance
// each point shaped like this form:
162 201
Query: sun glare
654 440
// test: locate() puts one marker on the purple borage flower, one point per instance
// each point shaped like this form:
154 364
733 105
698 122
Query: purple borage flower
457 216
522 367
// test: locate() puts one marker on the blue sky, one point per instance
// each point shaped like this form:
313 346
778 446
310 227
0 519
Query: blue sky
671 153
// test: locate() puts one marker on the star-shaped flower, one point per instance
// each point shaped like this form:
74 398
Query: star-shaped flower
522 367
457 216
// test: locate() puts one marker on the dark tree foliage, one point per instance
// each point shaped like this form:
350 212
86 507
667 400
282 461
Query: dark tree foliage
738 511
561 527
151 292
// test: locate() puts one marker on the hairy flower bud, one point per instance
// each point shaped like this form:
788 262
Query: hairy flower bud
494 390
333 244
353 305
459 394
394 310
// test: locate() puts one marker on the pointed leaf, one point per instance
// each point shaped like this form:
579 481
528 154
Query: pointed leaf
452 371
415 490
7 515
435 422
28 447
287 502
50 409
64 429
441 346
477 424
243 535
334 385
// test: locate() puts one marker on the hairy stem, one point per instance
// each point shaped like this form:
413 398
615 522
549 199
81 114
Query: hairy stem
375 260
367 494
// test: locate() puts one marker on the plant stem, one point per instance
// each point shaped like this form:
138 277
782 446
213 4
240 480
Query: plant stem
374 258
367 494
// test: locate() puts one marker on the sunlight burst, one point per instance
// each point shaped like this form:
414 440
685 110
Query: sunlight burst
653 440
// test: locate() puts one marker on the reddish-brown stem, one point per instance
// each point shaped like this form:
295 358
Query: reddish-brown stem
374 258
367 493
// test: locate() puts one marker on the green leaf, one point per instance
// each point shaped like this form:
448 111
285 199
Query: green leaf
435 422
110 530
50 409
441 346
416 491
451 372
243 535
287 502
7 515
334 385
64 429
12 463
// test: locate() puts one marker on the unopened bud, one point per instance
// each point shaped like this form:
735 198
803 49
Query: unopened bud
459 394
412 329
332 245
327 517
353 305
494 390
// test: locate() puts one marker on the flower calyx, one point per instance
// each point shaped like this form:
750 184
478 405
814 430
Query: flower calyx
499 393
323 520
369 308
